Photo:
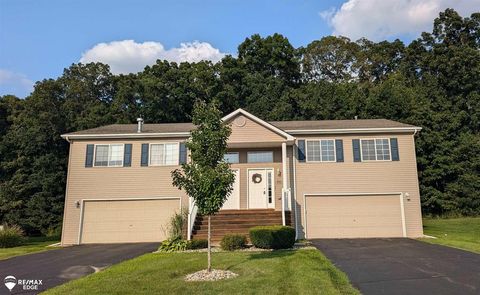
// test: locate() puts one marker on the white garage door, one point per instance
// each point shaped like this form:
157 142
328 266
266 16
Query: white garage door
354 216
127 221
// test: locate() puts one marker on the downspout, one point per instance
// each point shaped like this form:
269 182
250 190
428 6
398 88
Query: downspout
284 179
294 155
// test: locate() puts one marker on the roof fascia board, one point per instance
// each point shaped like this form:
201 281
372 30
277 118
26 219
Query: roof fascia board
355 130
126 135
259 121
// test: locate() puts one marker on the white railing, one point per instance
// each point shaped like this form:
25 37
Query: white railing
192 215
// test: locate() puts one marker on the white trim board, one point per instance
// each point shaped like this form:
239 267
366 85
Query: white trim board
354 130
125 135
259 121
400 194
82 204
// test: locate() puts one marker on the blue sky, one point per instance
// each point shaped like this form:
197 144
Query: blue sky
38 39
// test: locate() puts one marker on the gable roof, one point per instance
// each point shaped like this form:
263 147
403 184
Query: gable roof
259 121
283 128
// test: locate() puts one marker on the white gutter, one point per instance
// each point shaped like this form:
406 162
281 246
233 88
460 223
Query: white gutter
126 135
354 130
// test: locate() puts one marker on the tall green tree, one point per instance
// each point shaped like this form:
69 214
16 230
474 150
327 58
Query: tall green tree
333 59
270 56
207 178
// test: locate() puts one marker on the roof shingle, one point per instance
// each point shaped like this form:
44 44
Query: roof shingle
284 125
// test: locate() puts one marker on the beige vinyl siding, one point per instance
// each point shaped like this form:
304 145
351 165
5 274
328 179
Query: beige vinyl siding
251 132
127 221
357 216
113 182
364 177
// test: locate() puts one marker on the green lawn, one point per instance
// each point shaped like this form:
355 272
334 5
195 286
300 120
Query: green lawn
304 271
33 244
462 233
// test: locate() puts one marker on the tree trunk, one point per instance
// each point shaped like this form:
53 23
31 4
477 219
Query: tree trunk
209 268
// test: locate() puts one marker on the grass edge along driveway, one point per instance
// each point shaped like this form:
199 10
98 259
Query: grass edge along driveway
304 271
462 233
32 245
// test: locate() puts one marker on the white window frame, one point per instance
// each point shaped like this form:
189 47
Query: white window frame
236 153
320 141
252 152
375 148
164 143
108 155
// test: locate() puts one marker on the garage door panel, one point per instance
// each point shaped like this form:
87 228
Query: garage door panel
123 221
353 216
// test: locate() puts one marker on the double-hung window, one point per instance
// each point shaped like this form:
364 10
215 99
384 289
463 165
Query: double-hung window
109 155
376 149
321 150
163 154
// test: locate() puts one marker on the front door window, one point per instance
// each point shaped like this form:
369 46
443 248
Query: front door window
269 188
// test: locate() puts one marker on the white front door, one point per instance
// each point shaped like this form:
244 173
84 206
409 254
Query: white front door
260 189
233 200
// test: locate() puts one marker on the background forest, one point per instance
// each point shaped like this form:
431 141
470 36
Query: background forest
433 82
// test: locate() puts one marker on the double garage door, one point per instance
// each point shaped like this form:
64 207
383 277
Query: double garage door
126 221
354 216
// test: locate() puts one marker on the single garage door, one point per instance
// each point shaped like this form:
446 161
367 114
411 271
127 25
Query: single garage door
127 221
353 216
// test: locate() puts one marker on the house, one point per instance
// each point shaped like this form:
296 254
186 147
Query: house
328 179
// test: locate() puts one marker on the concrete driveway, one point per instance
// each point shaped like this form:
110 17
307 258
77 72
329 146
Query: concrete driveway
404 266
56 267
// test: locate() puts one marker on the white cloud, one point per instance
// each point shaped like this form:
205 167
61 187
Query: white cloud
128 56
382 19
328 14
14 83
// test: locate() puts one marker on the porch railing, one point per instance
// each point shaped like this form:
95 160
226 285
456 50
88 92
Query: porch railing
192 215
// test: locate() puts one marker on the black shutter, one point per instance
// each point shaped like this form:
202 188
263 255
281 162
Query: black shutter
339 149
183 153
356 150
127 155
301 150
394 149
144 158
89 156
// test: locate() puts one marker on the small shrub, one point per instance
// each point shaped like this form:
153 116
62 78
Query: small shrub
173 245
272 237
54 232
197 244
176 225
11 236
232 242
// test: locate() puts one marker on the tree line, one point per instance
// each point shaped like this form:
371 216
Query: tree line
433 82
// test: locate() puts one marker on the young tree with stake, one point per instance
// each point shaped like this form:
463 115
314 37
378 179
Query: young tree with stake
206 178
